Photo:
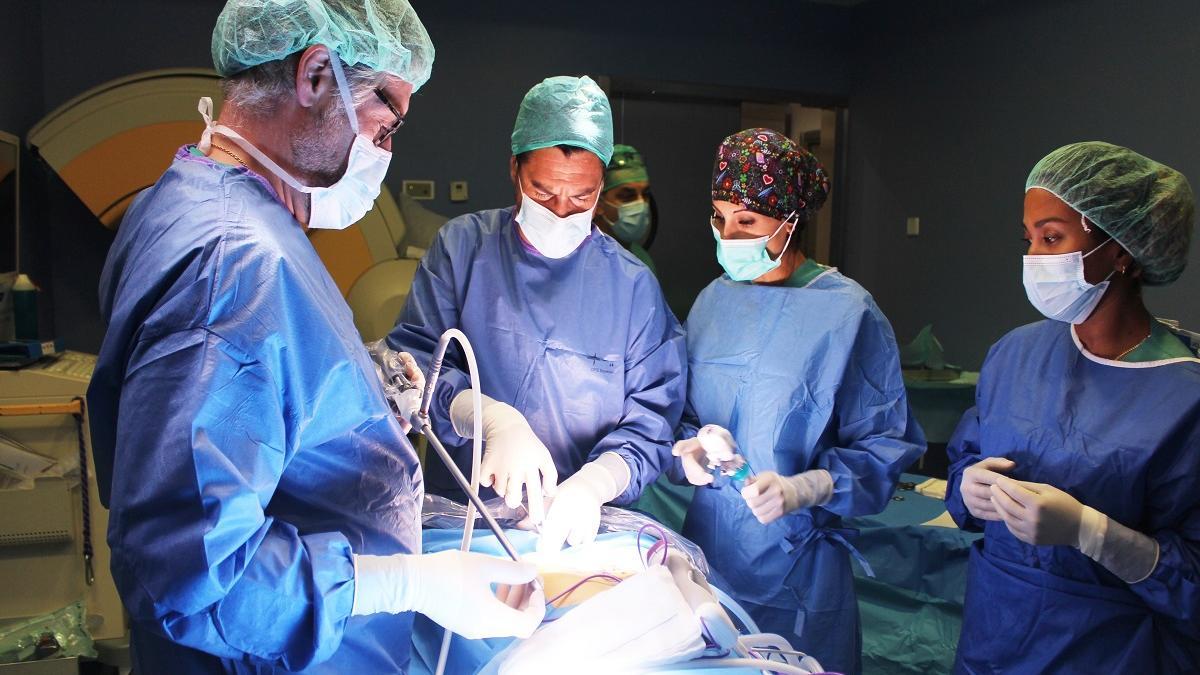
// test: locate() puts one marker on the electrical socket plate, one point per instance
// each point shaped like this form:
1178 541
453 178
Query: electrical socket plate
458 191
418 189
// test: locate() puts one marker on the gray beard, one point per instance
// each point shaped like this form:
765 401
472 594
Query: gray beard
317 150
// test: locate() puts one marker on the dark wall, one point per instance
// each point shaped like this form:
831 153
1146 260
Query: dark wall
20 52
491 53
954 102
86 43
21 101
488 55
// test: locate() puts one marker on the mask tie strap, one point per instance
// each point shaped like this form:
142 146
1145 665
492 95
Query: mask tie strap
1102 245
211 127
344 89
205 108
789 237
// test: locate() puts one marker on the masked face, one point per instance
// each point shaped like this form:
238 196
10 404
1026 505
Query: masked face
558 194
1056 286
625 211
632 223
552 235
744 256
352 192
1063 253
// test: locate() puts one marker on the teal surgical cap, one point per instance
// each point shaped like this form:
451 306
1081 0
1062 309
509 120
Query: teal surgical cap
626 166
565 111
383 35
1147 207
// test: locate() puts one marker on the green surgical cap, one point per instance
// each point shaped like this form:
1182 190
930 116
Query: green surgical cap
383 35
565 111
1147 207
626 166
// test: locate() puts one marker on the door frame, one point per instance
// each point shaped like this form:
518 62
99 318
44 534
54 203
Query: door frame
667 90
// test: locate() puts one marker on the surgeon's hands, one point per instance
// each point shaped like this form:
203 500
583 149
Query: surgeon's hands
574 514
771 496
976 486
411 370
390 363
513 457
454 589
1037 513
695 461
1043 515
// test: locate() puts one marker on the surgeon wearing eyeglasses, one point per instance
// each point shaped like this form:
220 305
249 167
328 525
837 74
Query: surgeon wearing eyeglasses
265 503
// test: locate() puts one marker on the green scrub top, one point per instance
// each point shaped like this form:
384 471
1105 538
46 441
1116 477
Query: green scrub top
804 274
1162 344
643 255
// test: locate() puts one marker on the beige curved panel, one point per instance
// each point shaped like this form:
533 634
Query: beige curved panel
379 295
108 175
126 103
115 140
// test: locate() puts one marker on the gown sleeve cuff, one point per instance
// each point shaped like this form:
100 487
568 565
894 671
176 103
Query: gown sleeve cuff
1125 552
1093 526
618 469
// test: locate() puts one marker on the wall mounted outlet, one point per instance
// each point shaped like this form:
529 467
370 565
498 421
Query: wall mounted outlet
418 189
913 226
458 191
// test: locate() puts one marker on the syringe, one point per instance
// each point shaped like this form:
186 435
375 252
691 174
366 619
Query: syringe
722 452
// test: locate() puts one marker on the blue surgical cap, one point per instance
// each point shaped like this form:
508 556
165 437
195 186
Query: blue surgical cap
1147 207
565 110
383 35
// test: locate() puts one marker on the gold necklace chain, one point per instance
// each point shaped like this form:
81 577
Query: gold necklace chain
1139 344
230 153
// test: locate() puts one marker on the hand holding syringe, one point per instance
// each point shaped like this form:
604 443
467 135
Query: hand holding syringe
722 453
712 451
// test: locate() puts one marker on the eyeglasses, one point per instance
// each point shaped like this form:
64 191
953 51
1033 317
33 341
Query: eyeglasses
386 132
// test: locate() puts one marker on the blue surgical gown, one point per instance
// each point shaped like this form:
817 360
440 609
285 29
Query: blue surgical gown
1122 438
241 439
583 346
804 378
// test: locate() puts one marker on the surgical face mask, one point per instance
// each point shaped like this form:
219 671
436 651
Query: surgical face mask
337 206
552 235
748 259
633 219
1057 288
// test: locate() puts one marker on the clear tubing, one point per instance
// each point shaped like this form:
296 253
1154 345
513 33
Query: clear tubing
472 489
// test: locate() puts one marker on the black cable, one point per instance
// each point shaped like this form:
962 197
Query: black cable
85 498
653 221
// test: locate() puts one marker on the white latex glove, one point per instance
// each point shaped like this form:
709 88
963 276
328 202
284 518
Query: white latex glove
389 361
976 486
574 514
1043 515
1037 513
513 457
454 589
1125 552
412 371
771 496
695 461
